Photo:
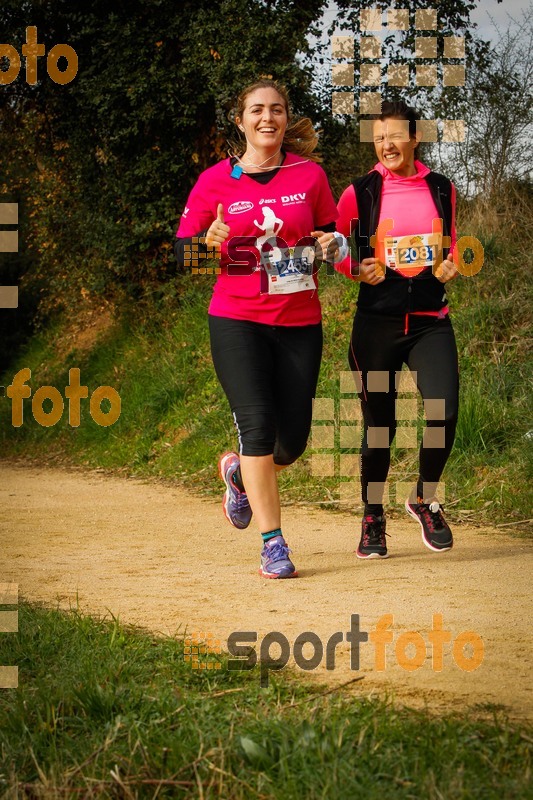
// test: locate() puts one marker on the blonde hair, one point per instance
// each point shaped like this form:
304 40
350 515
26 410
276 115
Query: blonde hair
300 136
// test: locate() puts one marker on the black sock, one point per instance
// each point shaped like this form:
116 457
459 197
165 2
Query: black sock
373 508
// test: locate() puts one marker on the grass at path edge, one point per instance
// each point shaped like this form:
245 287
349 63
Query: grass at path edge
107 710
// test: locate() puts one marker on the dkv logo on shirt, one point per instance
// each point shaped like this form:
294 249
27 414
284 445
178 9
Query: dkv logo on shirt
290 199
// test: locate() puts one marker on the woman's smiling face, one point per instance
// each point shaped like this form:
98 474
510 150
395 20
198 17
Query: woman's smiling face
395 149
264 119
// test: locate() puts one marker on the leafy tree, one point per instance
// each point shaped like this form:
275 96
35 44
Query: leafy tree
498 111
398 47
103 165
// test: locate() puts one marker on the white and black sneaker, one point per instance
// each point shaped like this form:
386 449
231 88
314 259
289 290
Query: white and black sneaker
373 543
436 533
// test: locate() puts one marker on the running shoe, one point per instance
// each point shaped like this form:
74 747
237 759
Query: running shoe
436 533
373 543
275 561
235 502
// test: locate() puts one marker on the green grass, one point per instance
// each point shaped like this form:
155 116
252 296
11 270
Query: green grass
175 419
104 710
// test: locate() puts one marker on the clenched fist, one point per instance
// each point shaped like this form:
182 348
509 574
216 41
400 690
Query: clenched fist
371 271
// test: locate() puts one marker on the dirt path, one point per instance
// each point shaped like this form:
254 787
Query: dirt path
166 560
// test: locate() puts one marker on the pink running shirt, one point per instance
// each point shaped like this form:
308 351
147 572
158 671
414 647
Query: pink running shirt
296 201
407 201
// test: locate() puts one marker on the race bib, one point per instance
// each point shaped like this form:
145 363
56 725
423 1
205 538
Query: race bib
409 255
289 269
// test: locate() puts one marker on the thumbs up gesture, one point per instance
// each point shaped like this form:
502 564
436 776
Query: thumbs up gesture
446 270
218 231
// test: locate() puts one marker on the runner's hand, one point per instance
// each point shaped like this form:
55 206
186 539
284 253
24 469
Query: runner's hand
446 270
371 271
326 247
218 231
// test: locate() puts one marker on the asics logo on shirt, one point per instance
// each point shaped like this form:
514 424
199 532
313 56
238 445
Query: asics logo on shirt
267 200
240 207
288 199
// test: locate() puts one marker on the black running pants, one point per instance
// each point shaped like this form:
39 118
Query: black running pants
378 348
269 374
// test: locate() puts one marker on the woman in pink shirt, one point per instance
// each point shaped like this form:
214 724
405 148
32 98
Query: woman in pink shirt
259 209
402 217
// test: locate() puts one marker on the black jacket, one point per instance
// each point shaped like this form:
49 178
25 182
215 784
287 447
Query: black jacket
398 294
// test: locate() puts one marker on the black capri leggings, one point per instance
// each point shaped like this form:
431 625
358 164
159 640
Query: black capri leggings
380 346
269 375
